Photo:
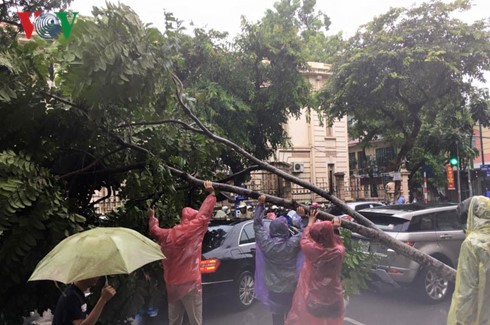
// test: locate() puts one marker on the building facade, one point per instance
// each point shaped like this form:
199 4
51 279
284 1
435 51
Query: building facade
318 153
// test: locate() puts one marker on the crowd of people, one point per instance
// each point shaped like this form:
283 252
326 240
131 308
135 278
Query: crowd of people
298 273
292 269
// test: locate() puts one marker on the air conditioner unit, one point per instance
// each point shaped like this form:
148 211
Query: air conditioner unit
298 167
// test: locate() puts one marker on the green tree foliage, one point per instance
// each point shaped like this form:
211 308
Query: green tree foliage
356 262
34 217
407 77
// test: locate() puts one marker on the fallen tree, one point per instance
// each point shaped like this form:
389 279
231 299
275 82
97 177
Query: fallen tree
364 226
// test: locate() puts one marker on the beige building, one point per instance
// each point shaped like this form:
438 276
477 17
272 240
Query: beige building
371 171
318 153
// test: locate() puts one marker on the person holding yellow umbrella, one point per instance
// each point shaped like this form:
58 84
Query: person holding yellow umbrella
71 308
81 259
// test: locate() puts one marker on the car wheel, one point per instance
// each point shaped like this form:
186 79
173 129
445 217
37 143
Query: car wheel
244 292
433 288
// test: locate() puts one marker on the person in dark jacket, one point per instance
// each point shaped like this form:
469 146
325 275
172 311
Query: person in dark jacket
71 308
276 264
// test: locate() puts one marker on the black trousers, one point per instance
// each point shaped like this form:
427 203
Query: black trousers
282 302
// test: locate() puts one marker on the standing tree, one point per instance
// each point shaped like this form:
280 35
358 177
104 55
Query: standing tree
408 77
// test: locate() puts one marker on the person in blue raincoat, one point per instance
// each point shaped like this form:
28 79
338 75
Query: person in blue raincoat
276 264
471 299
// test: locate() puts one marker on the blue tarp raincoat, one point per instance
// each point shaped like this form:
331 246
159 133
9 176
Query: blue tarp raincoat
277 263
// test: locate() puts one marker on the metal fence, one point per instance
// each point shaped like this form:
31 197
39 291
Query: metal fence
268 183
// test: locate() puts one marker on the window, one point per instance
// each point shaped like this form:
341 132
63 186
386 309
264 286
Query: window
422 223
214 237
352 160
366 206
329 132
384 156
361 159
387 222
448 220
248 235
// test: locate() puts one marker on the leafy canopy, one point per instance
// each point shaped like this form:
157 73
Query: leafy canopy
408 77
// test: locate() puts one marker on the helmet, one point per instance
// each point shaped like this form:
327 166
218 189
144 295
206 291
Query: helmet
225 208
249 207
242 205
274 207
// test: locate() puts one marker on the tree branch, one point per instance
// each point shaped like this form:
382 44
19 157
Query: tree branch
116 170
184 124
244 171
65 101
92 164
109 193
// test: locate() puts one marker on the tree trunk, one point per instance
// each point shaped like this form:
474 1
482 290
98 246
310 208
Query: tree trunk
374 234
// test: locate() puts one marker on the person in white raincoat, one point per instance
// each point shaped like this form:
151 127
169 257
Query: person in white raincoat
471 299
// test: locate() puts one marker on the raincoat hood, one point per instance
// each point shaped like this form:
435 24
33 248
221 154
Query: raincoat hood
279 228
188 214
478 214
322 233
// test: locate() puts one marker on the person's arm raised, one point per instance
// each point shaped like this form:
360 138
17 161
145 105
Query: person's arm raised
106 294
153 227
206 209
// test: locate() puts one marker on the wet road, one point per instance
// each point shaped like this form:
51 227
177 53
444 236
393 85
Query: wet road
388 307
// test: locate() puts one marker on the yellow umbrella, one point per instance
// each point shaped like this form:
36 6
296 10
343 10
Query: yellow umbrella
97 252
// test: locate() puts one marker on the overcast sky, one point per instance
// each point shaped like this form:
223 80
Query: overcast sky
224 15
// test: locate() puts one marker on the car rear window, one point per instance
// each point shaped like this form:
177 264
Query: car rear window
387 222
214 237
335 210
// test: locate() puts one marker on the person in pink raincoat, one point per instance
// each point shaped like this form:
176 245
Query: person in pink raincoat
181 246
318 299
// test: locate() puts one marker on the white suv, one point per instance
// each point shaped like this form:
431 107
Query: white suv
433 229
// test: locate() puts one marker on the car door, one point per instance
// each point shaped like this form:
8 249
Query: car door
450 234
246 244
422 233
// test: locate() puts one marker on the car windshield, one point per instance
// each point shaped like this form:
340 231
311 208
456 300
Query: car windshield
214 237
387 222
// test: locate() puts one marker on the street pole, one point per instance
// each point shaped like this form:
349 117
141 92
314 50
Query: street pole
482 153
459 168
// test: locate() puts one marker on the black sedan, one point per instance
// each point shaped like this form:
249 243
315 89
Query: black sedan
228 261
